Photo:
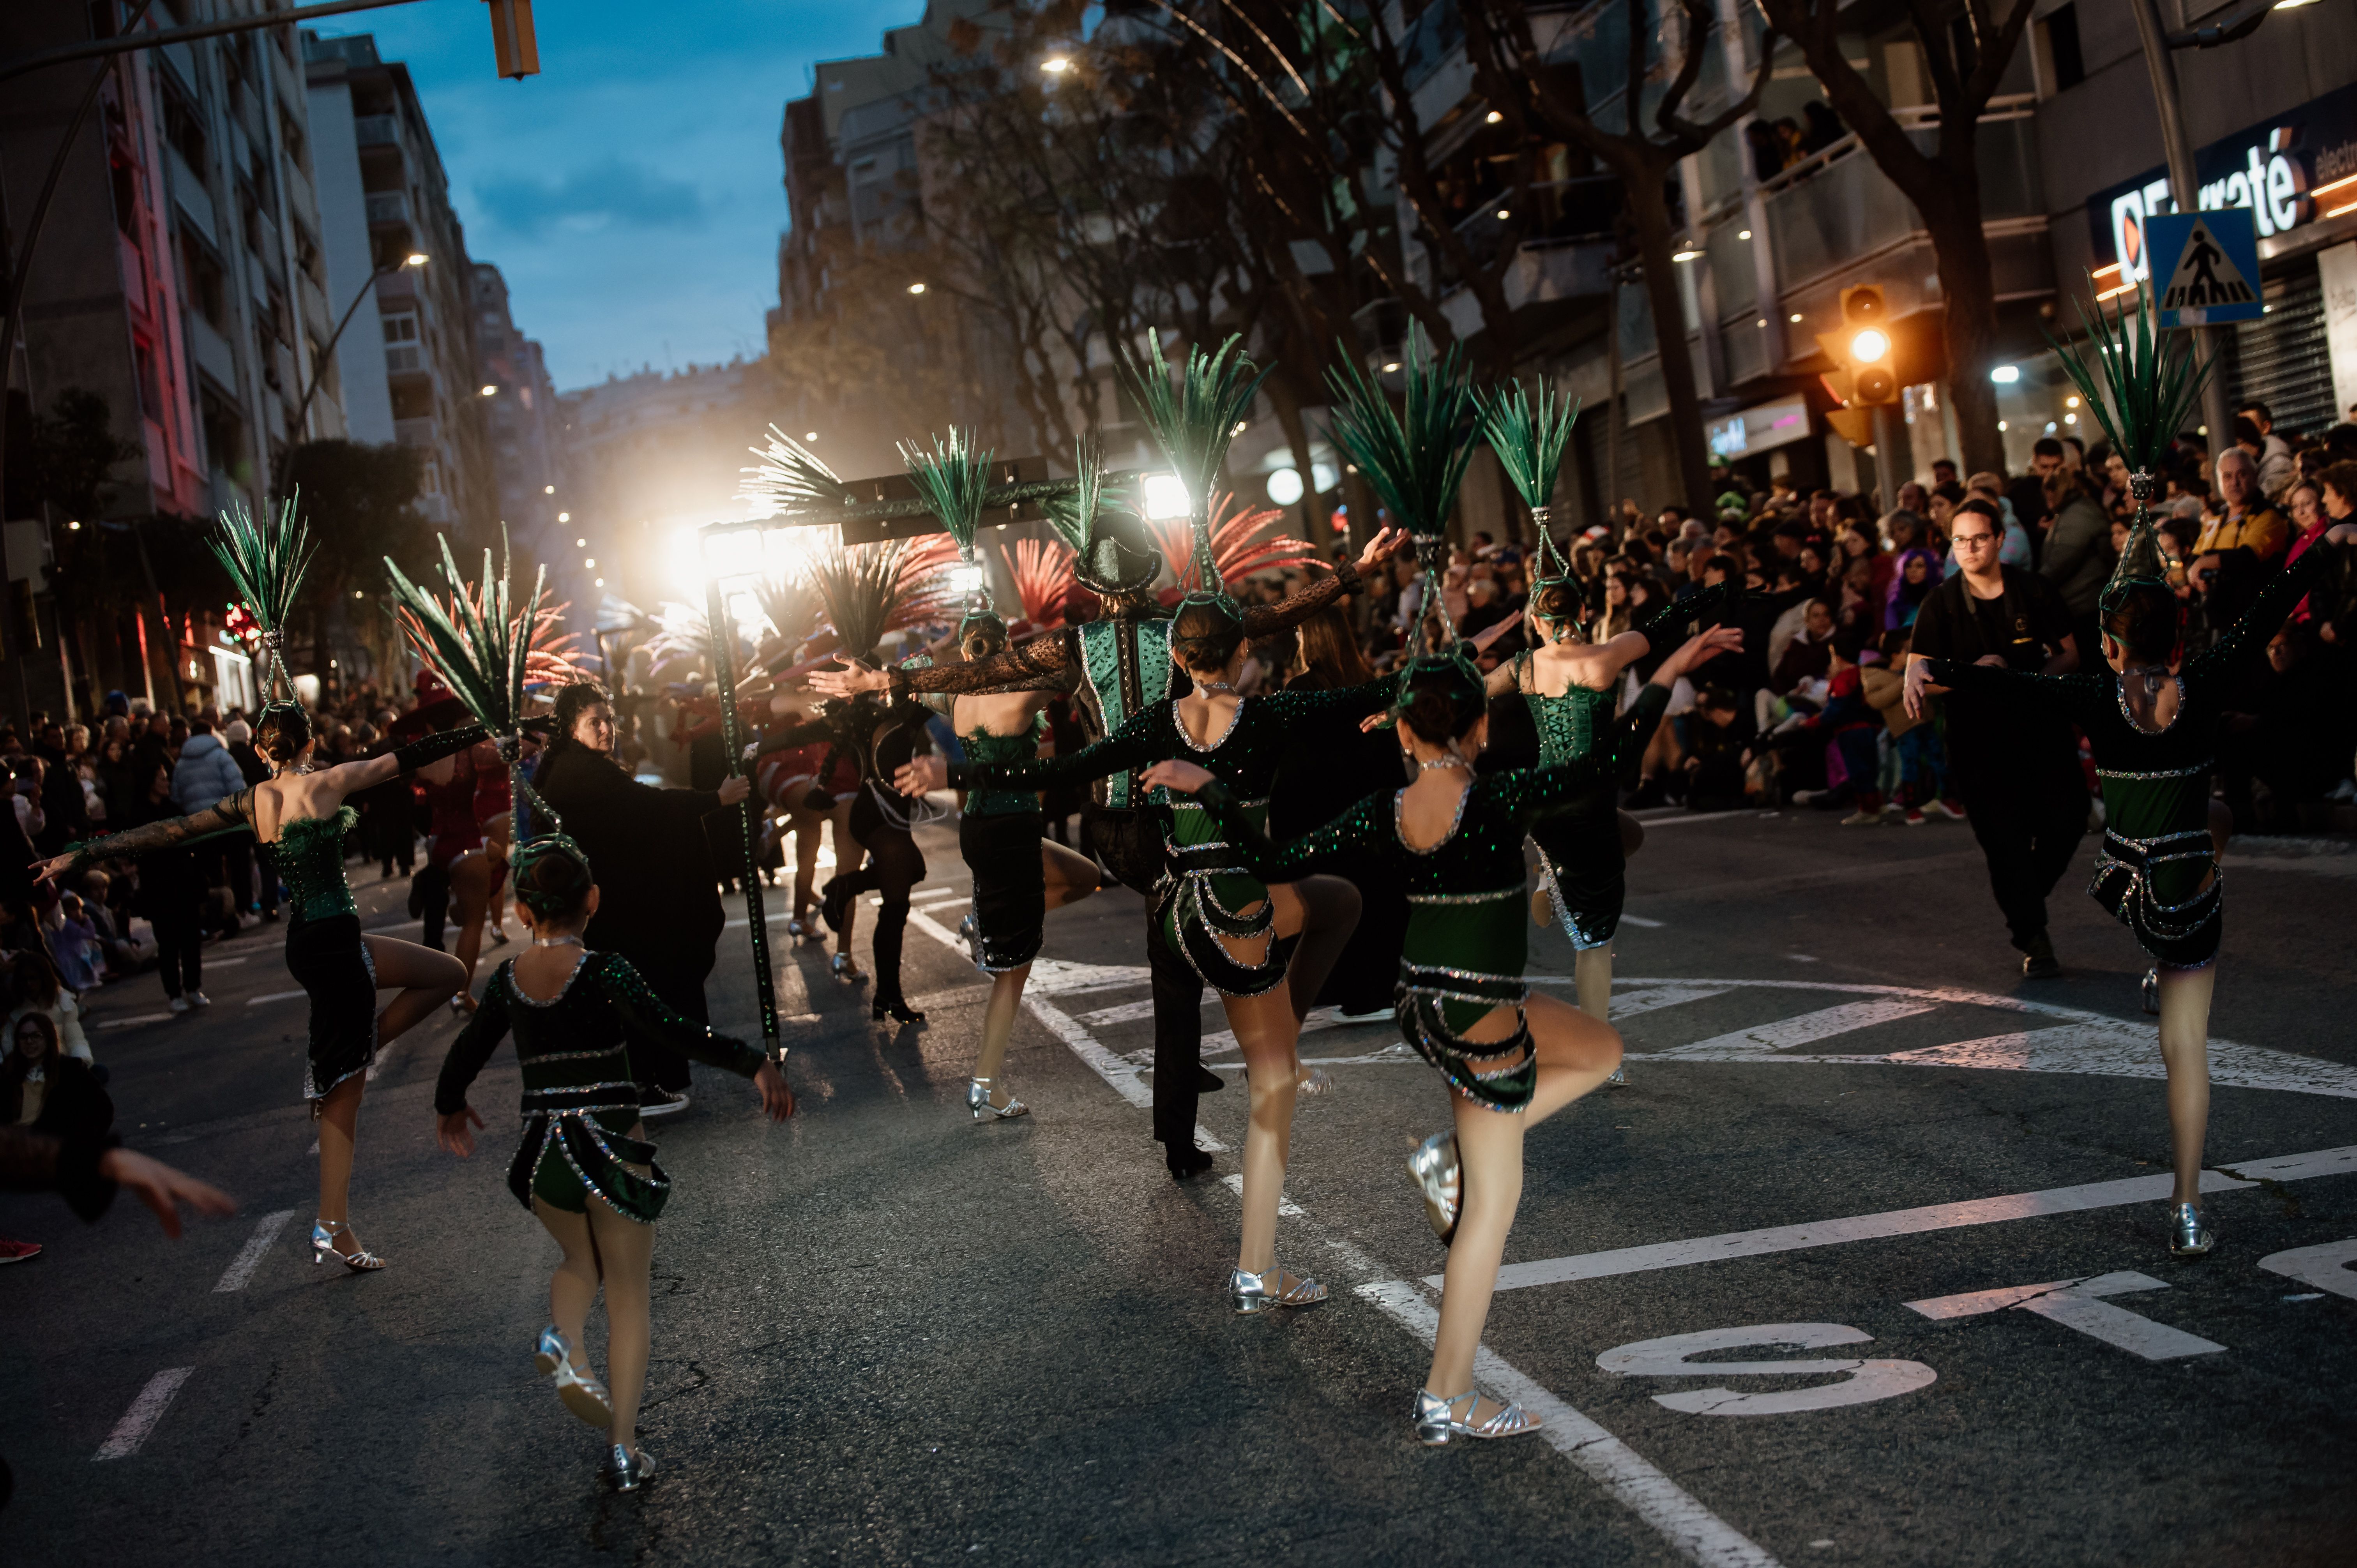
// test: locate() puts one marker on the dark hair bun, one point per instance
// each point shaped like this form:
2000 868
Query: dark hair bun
553 879
283 733
1206 637
1557 602
2147 621
1441 705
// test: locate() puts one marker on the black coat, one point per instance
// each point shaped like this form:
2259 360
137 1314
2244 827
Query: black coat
658 890
74 1105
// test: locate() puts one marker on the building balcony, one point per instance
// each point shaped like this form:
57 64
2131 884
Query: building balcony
189 193
414 433
407 361
387 207
212 353
376 130
1837 211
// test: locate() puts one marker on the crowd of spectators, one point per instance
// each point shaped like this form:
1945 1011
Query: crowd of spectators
1808 712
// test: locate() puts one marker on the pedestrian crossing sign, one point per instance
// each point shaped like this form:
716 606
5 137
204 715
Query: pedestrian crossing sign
2213 260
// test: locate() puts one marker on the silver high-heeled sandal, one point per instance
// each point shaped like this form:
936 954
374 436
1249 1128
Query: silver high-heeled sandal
1251 1293
1437 1420
1619 1075
361 1261
625 1471
2188 1236
583 1395
1312 1083
1438 1176
977 1099
846 969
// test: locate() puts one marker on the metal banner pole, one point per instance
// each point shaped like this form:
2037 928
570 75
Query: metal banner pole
724 664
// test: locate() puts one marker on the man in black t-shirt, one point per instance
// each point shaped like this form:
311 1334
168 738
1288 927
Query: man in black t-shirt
2015 767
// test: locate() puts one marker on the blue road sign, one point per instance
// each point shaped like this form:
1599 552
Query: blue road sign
2207 266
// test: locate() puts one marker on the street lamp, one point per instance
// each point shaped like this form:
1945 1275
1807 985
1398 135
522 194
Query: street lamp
916 288
319 364
1056 65
490 391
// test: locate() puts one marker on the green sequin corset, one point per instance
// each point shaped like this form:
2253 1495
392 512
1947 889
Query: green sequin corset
1569 724
981 745
310 851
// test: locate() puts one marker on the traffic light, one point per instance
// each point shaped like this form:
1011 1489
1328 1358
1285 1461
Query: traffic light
1864 350
512 39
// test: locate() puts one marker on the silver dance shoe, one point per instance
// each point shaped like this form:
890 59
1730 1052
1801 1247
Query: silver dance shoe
625 1471
1434 1169
846 969
323 1247
971 935
1620 1076
2188 1236
1312 1083
1261 1293
583 1395
1437 1420
977 1099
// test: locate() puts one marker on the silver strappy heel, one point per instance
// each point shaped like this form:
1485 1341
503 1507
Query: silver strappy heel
1437 1420
977 1099
583 1395
1438 1176
1251 1292
361 1261
2189 1237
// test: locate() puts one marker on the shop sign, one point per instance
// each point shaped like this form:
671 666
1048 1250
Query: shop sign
2277 170
1758 429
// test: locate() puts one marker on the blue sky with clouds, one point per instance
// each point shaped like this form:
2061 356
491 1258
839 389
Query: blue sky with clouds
630 193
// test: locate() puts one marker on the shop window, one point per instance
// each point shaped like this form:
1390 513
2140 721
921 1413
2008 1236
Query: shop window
2066 66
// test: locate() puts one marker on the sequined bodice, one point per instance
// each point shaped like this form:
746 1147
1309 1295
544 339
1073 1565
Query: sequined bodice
981 745
310 855
1568 724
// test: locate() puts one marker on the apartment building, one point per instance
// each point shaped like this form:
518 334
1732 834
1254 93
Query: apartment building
387 199
2070 163
181 277
522 424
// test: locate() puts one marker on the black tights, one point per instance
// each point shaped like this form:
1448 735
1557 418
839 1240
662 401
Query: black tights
895 866
1330 913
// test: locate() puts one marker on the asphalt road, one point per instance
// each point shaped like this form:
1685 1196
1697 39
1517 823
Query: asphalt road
1854 1147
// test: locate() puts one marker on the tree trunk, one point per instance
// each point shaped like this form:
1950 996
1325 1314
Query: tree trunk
1969 283
1649 215
1297 437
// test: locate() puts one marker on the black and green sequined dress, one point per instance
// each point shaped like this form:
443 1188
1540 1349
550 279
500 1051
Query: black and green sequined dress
1467 942
2157 871
1580 859
325 952
1206 882
579 1101
999 833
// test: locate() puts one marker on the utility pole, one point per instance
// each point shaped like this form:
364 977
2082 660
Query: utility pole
2215 412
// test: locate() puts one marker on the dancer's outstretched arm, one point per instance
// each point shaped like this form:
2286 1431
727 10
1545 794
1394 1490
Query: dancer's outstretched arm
454 1118
1132 746
1050 654
640 1010
225 815
1365 825
2249 636
1348 577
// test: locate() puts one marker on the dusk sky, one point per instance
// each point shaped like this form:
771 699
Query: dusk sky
631 193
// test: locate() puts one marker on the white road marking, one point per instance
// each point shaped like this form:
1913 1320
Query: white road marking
1671 816
1864 1381
1632 1480
1221 1042
272 996
145 1413
2326 1266
1130 1011
2077 1303
2099 1045
1640 922
1629 1003
133 1018
1912 1221
1765 1039
250 1256
225 962
767 919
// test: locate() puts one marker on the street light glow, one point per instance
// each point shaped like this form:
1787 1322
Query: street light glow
416 259
1055 65
1796 316
916 288
2004 376
591 563
1392 368
1870 345
491 391
1685 252
548 489
1166 497
1491 118
564 517
579 543
810 434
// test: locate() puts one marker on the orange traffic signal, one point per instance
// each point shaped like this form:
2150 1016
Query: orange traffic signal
513 41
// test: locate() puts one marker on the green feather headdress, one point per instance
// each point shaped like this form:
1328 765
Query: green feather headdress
266 563
860 587
1529 435
790 477
1105 564
1194 417
954 477
1413 456
2142 389
483 645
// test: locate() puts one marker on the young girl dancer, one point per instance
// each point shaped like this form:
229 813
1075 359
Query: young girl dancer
2153 724
301 816
584 1168
1511 1059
